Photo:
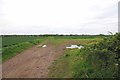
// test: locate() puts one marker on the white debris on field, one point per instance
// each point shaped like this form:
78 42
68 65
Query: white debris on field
116 64
44 46
74 46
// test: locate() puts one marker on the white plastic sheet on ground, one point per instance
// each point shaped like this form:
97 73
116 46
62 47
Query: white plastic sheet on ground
74 46
44 46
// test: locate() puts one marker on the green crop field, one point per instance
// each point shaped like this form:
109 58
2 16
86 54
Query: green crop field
12 45
11 40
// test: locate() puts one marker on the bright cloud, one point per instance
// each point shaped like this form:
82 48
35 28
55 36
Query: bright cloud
58 16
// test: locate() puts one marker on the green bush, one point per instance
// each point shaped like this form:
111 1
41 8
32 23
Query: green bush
101 59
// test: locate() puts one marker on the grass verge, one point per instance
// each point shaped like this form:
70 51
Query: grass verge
97 60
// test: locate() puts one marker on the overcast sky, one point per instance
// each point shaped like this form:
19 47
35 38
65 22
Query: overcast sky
58 16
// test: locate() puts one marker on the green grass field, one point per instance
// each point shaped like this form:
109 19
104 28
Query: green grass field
14 44
98 59
63 67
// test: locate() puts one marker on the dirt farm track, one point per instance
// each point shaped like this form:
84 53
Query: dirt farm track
32 63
